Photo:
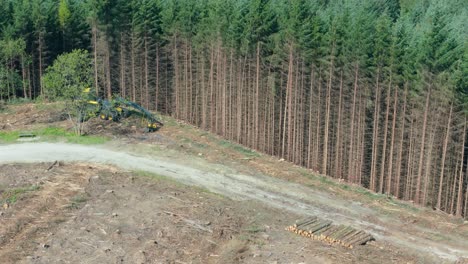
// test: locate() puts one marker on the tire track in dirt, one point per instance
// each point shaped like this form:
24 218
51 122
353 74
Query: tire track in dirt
271 191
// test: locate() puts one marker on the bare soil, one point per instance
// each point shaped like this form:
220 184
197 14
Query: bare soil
96 214
90 213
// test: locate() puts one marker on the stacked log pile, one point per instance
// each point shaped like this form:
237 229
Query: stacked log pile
323 230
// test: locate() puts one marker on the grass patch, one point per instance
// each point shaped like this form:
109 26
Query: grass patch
57 134
11 196
407 206
253 229
192 143
8 136
77 201
53 134
325 182
239 148
87 140
367 193
158 177
18 101
49 106
152 175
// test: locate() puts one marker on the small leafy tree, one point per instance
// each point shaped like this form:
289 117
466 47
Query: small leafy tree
66 79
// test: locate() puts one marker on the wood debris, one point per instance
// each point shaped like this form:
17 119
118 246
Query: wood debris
323 230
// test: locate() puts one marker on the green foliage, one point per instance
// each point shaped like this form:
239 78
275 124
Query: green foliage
64 13
243 150
67 79
11 196
69 75
11 51
77 201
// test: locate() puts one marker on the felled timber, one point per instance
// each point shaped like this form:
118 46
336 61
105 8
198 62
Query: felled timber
324 230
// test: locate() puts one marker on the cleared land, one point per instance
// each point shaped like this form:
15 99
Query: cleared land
81 211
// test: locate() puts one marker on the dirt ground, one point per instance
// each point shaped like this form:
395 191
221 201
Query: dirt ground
88 213
81 213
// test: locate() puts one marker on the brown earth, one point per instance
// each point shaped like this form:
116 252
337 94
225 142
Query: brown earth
85 213
95 214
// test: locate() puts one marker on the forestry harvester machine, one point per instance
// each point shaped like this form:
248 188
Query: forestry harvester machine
115 109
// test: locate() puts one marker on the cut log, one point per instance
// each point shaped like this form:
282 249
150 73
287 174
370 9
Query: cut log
326 233
331 234
26 135
351 237
324 228
306 221
359 240
345 233
320 227
340 232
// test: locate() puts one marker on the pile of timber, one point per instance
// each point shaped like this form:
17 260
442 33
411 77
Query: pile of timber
323 230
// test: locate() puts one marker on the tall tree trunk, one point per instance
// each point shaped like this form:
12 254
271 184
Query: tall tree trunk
444 152
309 148
94 33
133 69
362 135
30 80
108 71
390 161
122 67
287 104
384 149
40 50
375 132
147 97
466 203
327 114
177 86
156 98
400 148
338 168
453 192
409 162
351 176
257 84
460 180
318 125
428 166
421 152
23 76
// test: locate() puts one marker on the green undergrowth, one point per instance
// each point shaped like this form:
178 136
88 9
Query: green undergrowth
8 136
77 201
239 148
53 134
11 196
325 183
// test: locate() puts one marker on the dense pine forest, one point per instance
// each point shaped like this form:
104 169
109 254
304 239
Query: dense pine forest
373 92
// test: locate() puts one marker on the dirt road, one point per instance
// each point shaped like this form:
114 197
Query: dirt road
273 192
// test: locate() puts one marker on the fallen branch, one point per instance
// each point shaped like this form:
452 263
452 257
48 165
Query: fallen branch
51 166
190 222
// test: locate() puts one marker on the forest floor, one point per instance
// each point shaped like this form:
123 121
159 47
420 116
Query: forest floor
183 195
